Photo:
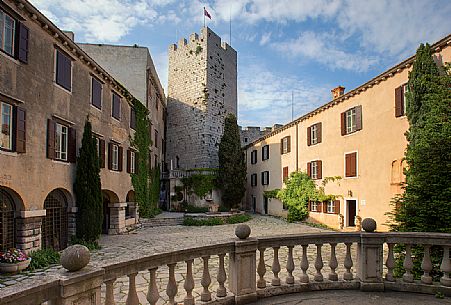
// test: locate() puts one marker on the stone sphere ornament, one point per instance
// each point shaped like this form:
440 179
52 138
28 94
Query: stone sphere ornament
242 231
75 257
369 225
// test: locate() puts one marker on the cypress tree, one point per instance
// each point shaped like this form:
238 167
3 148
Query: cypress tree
426 203
232 168
87 188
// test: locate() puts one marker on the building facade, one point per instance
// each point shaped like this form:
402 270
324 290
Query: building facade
202 90
251 133
133 67
48 88
357 136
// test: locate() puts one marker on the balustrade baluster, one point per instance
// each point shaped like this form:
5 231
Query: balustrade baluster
333 263
445 267
304 265
318 264
276 268
408 265
221 291
152 292
206 281
390 263
426 265
348 263
132 297
189 283
109 293
261 269
171 288
290 266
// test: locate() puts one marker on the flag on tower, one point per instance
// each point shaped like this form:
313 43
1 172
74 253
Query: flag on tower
206 13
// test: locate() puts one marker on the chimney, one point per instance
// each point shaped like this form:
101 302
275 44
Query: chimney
337 92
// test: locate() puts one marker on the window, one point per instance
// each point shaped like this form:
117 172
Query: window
156 138
285 173
114 157
314 169
100 145
156 162
254 180
351 164
265 178
265 152
61 142
332 207
7 33
6 136
351 120
132 118
285 145
96 93
400 100
314 134
314 206
116 109
131 161
254 157
245 140
63 70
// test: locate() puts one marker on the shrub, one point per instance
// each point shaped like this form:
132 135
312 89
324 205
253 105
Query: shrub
43 258
223 208
193 209
188 221
91 245
238 218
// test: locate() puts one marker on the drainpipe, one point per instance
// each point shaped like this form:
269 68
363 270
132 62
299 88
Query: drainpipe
297 155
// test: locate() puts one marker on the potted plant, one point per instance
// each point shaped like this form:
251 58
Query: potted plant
13 260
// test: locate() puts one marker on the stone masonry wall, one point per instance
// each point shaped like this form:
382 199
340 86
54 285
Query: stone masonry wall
201 92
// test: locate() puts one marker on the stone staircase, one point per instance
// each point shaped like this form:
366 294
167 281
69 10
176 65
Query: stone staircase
163 220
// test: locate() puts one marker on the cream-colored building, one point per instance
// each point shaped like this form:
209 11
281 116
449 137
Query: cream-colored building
358 135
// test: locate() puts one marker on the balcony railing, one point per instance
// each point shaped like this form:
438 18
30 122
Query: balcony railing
246 279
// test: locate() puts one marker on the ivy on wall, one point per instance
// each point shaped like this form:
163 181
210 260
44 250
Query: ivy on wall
200 183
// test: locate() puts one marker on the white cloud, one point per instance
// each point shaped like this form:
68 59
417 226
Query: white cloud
161 63
265 38
321 48
265 97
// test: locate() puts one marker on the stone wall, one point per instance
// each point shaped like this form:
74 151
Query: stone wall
201 92
251 133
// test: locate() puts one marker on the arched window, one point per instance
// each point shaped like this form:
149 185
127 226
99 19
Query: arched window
54 231
7 223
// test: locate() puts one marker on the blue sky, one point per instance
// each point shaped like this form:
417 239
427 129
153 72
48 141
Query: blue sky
306 47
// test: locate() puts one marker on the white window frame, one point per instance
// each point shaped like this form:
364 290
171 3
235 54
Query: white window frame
253 180
254 153
331 207
314 206
4 16
265 155
265 180
10 123
351 123
115 157
132 162
61 142
314 134
285 145
405 89
314 170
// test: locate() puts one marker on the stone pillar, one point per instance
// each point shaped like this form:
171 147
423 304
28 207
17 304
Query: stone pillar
71 222
80 287
117 217
370 258
28 230
242 268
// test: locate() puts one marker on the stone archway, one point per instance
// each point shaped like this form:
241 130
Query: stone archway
131 204
108 197
55 224
7 220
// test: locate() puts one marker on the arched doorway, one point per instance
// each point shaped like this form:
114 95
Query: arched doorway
54 227
129 210
107 198
7 221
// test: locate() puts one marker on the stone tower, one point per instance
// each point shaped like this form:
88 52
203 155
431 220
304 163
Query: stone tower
202 90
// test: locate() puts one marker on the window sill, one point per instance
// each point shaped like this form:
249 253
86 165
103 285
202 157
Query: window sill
10 57
351 133
62 162
114 171
116 119
8 152
62 88
96 108
352 177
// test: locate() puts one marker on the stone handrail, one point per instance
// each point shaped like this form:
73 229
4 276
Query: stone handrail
247 270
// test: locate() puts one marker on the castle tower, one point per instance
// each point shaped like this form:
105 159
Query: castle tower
202 90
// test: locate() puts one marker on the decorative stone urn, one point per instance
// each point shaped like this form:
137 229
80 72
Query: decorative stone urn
75 257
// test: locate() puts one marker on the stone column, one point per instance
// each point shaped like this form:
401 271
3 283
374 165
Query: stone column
370 258
28 230
71 222
242 267
117 217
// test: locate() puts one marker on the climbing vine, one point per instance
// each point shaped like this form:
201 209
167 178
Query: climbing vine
200 183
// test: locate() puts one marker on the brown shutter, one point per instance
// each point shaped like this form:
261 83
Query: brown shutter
343 123
136 162
319 133
348 160
285 173
358 117
309 205
110 155
354 164
128 161
120 157
337 206
51 129
398 101
21 130
289 143
309 169
319 165
324 204
72 146
96 93
320 206
281 146
22 54
102 153
309 136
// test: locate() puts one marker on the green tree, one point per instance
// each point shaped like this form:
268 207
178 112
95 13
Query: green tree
426 203
87 188
232 168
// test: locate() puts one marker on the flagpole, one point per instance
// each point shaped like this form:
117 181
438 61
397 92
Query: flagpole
204 16
230 24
